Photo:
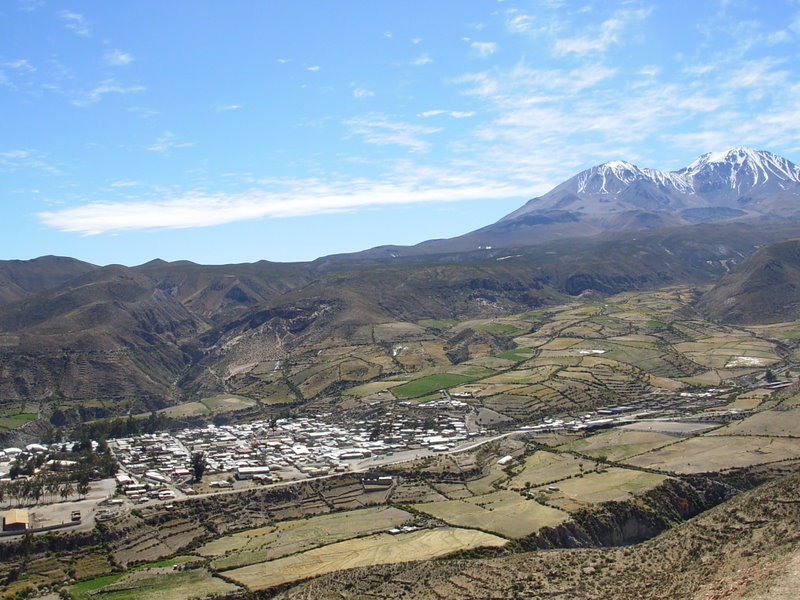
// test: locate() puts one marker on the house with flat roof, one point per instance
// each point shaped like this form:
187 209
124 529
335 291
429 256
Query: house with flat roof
16 519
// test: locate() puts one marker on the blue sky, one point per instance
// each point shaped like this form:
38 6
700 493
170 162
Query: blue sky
237 131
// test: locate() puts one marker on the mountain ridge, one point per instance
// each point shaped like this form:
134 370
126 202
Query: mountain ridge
739 183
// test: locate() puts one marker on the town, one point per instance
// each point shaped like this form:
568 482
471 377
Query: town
279 450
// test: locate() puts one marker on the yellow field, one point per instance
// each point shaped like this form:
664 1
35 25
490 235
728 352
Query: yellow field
769 423
617 444
561 343
543 467
613 484
717 453
288 537
505 513
187 409
373 550
365 389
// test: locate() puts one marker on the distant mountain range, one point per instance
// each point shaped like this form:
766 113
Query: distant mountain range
72 333
619 196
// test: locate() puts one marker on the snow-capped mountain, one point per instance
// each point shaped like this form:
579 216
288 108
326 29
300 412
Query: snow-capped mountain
739 171
739 183
719 181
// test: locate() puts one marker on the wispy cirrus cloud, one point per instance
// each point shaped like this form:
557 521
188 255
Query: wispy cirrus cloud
421 60
75 23
518 22
599 38
380 130
30 5
27 158
20 65
108 86
456 114
228 107
167 142
483 49
125 183
118 58
362 93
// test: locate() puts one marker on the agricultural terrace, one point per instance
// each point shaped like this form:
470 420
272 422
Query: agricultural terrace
371 550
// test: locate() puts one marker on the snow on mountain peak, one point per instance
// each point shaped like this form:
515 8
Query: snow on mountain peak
613 176
740 169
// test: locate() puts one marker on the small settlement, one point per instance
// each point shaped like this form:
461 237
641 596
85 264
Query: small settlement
282 450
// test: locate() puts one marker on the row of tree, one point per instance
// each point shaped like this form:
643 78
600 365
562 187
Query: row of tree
44 487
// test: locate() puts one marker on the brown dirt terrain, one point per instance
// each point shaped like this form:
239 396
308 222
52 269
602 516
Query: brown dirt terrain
746 547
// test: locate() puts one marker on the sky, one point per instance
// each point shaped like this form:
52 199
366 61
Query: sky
227 132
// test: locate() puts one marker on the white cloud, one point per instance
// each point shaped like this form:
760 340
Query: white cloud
117 58
377 129
144 113
432 113
30 5
388 34
125 184
422 60
26 158
297 199
484 49
795 24
313 68
451 113
518 22
607 34
108 86
20 65
228 107
75 22
416 40
362 93
166 143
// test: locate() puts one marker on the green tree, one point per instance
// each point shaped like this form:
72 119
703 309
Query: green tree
198 465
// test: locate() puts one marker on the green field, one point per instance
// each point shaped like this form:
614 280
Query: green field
152 584
517 355
428 384
13 421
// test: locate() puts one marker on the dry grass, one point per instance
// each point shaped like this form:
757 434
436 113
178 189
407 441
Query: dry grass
373 550
613 484
717 453
288 537
505 513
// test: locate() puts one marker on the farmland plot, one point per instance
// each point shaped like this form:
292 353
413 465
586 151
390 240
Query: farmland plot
505 512
619 443
612 484
778 423
287 537
545 467
717 453
372 550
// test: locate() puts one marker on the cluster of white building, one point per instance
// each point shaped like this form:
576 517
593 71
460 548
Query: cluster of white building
287 449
